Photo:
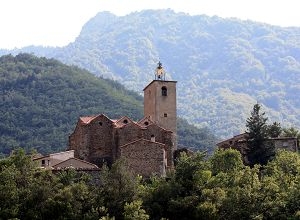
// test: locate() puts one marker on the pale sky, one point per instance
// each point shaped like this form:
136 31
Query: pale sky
58 22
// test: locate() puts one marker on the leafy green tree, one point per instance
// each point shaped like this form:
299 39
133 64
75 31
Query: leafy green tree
242 190
227 160
74 201
274 130
9 205
134 211
292 132
259 150
119 185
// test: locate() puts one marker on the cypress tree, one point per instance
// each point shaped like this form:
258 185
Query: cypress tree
259 150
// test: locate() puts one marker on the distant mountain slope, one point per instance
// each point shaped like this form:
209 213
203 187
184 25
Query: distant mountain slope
41 100
223 66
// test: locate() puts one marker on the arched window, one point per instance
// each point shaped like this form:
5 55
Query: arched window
164 91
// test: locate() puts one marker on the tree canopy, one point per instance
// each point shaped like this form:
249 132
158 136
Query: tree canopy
219 187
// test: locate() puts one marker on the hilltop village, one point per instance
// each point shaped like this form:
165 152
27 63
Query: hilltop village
148 146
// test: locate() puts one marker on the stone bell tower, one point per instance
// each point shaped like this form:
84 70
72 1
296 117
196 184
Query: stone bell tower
160 101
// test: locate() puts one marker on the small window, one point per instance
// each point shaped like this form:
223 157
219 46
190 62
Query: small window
164 91
125 121
146 123
100 123
165 115
43 163
152 138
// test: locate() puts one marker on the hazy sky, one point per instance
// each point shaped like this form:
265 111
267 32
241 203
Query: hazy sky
58 22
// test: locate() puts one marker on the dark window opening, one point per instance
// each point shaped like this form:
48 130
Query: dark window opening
125 121
164 91
100 123
146 123
165 115
43 163
153 138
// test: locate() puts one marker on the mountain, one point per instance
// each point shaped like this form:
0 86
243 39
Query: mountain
41 100
223 66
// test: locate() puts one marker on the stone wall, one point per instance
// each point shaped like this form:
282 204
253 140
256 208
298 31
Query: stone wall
145 157
79 140
287 143
164 136
101 142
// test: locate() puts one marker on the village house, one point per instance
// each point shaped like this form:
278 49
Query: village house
239 142
63 160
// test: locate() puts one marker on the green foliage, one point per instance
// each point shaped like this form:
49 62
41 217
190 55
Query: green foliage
133 211
119 186
197 189
195 138
274 130
226 161
41 100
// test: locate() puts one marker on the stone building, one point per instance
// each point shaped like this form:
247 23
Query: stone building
146 145
239 142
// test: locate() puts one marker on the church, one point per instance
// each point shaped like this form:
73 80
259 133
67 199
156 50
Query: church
146 145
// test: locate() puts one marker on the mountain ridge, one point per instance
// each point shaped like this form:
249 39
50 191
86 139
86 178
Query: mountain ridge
223 66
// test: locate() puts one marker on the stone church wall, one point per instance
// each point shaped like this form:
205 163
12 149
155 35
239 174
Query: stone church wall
145 157
101 141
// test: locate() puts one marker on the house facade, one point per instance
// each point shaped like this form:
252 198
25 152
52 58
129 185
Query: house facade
239 142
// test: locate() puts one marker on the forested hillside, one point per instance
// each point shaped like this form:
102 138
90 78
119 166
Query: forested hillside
41 100
223 66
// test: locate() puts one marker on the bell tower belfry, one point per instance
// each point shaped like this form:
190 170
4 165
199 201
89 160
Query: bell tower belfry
160 101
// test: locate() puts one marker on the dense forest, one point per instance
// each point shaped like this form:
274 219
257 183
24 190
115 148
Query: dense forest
223 66
41 100
220 187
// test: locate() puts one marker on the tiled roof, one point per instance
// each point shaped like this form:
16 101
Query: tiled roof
82 161
89 119
158 81
119 123
54 154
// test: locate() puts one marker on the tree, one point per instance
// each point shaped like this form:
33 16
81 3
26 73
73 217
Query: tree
274 130
259 150
292 132
226 161
119 185
134 211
